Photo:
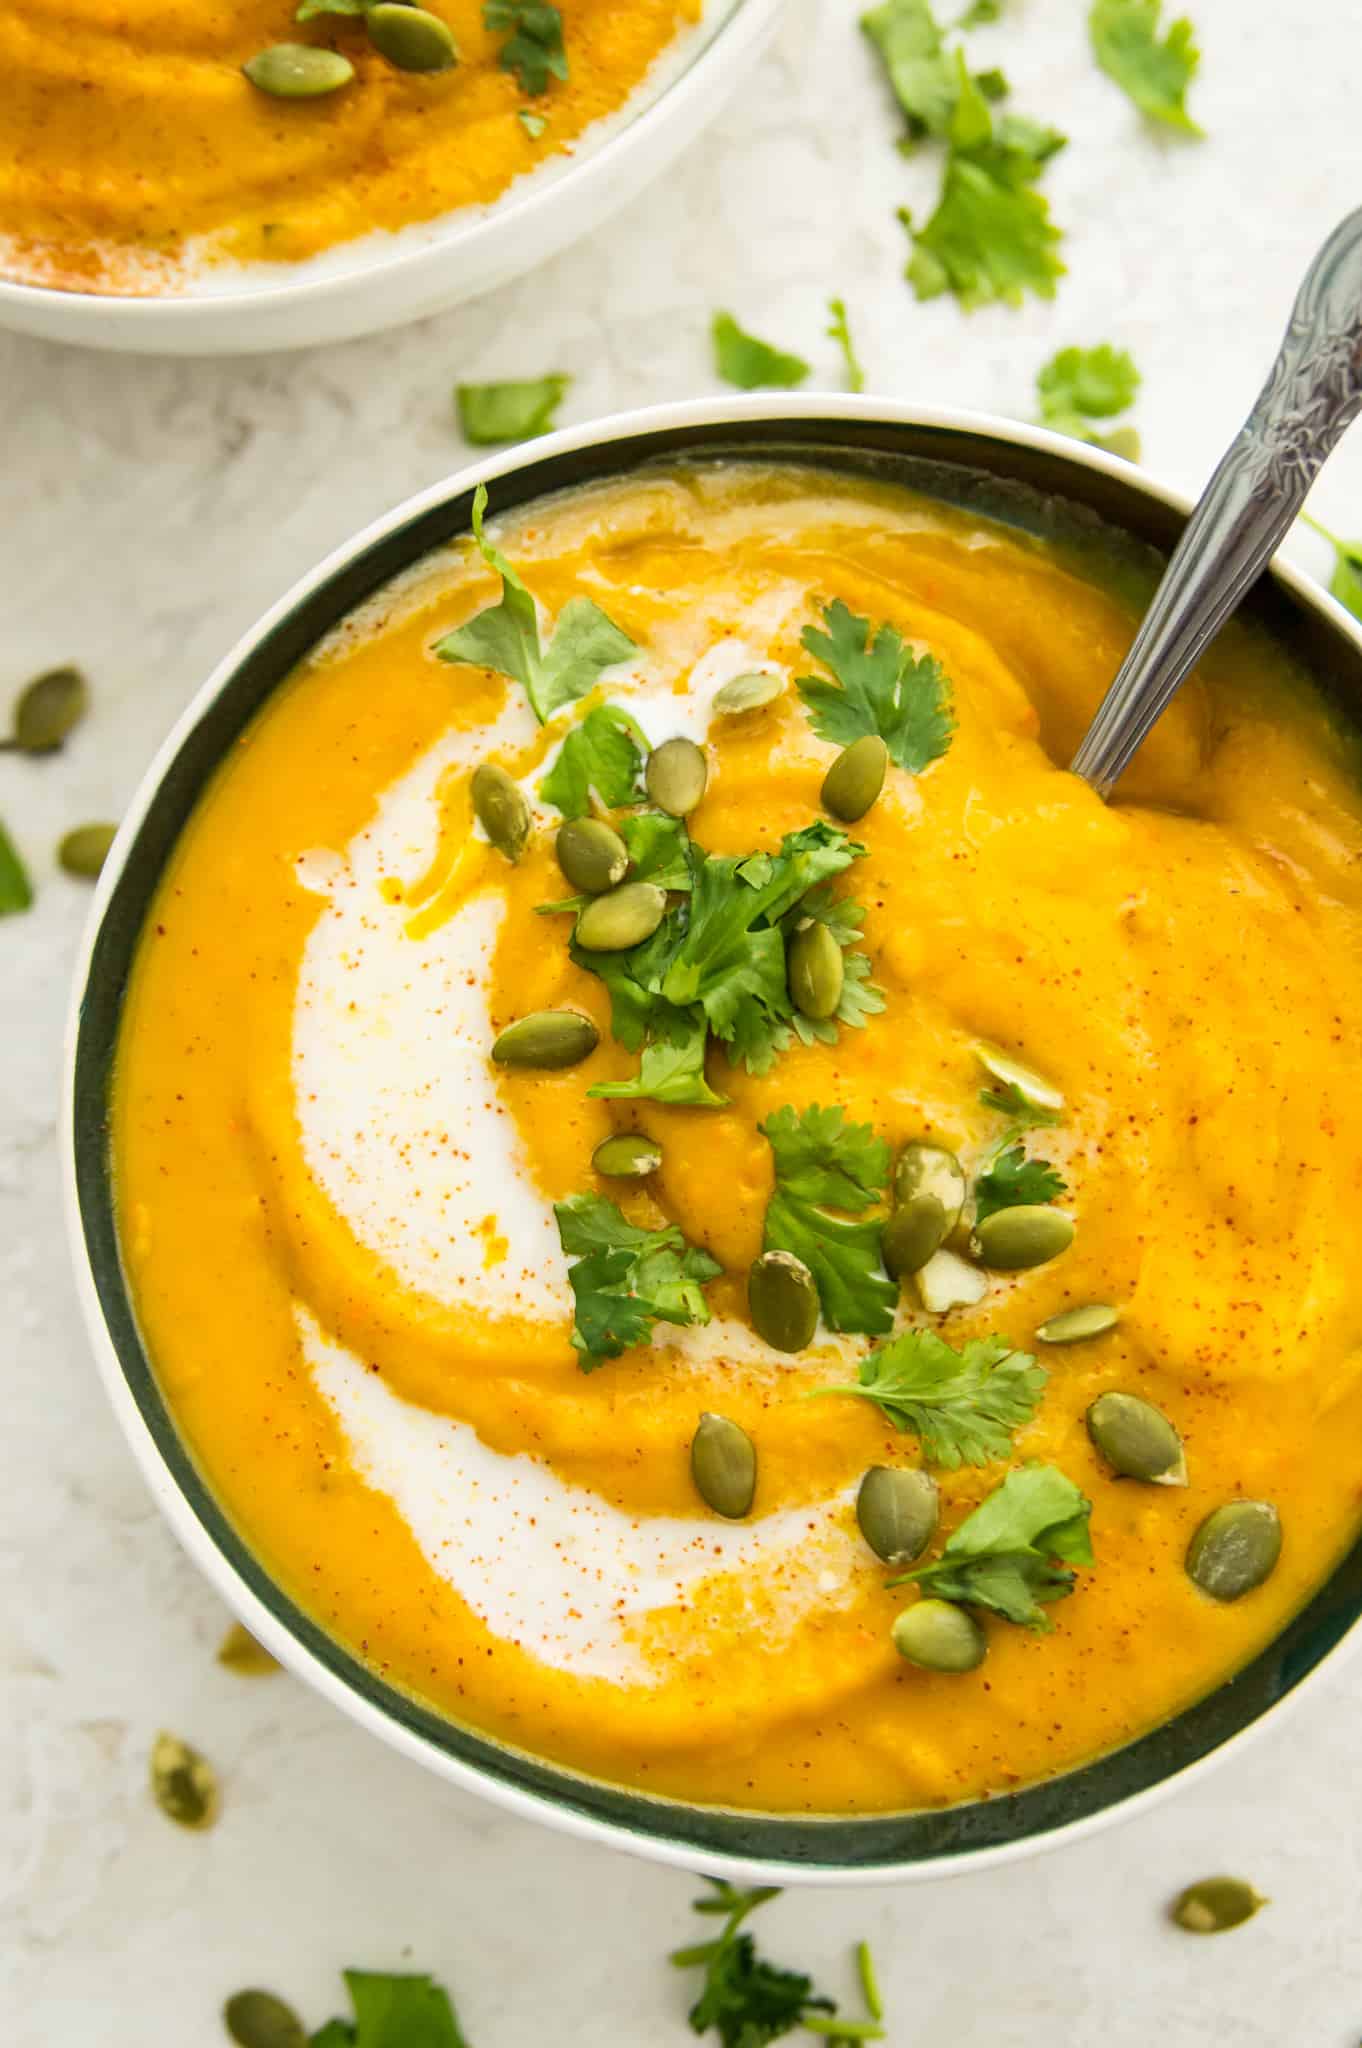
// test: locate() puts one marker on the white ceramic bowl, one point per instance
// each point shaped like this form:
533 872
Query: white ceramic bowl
994 465
384 280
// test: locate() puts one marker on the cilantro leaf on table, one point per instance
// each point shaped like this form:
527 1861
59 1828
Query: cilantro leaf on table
515 410
1011 1180
1154 74
394 2011
827 1174
880 687
1346 582
603 752
990 236
505 636
964 1405
534 49
750 364
839 330
1003 1555
16 890
1080 385
908 38
980 12
625 1280
747 2001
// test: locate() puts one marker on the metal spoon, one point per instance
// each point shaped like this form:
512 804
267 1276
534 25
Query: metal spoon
1313 393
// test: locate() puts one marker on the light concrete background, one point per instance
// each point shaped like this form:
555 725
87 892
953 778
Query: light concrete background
150 511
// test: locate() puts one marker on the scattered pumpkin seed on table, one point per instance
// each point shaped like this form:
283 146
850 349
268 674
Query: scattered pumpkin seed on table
1236 1549
411 38
856 778
723 1463
83 851
501 808
628 1155
48 710
936 1635
1137 1440
1215 1904
815 970
897 1509
546 1038
748 693
184 1783
591 854
298 71
676 776
782 1300
257 2019
240 1652
621 918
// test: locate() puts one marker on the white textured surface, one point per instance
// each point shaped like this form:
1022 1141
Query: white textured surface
151 511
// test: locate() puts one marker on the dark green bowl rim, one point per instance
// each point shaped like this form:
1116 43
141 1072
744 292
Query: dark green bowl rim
968 464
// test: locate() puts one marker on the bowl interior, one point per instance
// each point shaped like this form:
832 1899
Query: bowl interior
1001 478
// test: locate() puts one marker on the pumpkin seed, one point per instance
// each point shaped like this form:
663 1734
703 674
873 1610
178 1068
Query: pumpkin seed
257 2019
926 1169
748 693
936 1635
1235 1549
723 1464
622 918
916 1229
675 776
1029 1235
48 709
411 38
815 970
1137 1440
83 851
627 1156
1215 1904
183 1783
897 1507
1072 1325
591 854
240 1652
855 778
298 71
1039 1092
502 809
947 1282
782 1300
546 1038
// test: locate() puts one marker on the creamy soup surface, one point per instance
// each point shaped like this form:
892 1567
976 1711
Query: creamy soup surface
337 1212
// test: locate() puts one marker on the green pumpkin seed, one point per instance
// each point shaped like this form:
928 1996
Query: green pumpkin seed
49 708
938 1636
815 970
782 1300
723 1464
1137 1440
411 38
592 856
1039 1092
926 1169
897 1507
947 1282
1072 1325
1215 1905
748 693
546 1038
83 852
675 776
502 809
240 1652
1029 1235
257 2019
627 1156
622 918
298 71
916 1229
1235 1549
183 1783
855 778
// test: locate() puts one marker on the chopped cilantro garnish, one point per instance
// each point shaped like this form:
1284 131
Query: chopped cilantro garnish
1154 74
1002 1556
881 687
839 331
1080 385
603 753
671 1070
861 997
505 636
533 124
908 38
827 1174
1346 582
751 364
1011 1180
747 2001
513 411
625 1280
393 2011
990 237
964 1405
534 48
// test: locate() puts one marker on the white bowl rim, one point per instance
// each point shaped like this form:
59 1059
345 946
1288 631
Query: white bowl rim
779 408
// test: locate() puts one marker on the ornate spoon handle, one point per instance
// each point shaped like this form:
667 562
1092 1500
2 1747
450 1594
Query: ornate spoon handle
1313 392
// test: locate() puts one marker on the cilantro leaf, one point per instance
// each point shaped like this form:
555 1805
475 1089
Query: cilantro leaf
1080 385
1011 1181
881 687
605 753
746 2000
839 331
1002 1556
1008 1099
1346 582
659 849
1154 74
534 49
672 1070
971 122
825 1165
515 410
990 237
751 364
394 2011
908 39
505 636
16 890
979 12
964 1405
624 1280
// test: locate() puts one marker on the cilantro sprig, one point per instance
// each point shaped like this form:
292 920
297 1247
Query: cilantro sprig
839 330
625 1279
505 636
749 363
746 2000
1080 385
861 998
964 1405
1004 1556
1154 74
389 2010
602 752
534 49
879 687
828 1173
1010 1180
